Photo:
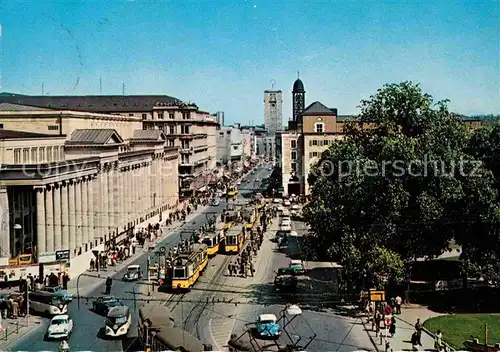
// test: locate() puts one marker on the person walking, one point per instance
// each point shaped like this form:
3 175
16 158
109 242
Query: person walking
109 283
418 330
398 302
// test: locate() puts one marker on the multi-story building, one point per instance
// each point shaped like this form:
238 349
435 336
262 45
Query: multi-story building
184 125
223 145
273 112
219 116
236 144
249 143
81 187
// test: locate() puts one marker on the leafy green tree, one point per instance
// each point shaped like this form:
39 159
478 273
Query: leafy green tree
403 182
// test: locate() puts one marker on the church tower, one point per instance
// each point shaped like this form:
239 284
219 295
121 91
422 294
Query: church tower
298 101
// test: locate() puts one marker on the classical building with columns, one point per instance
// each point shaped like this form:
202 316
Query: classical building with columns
93 191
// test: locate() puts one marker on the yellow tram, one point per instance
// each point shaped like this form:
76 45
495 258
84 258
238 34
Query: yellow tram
233 240
229 217
212 242
187 267
232 191
250 215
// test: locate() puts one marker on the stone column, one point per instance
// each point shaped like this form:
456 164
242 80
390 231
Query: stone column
96 200
78 213
49 219
105 205
136 191
91 194
72 214
65 215
147 187
123 195
85 211
40 220
109 186
130 193
57 217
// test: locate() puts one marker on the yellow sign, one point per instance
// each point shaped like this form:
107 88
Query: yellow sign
377 296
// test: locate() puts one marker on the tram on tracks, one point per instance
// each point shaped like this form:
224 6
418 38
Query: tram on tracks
229 217
187 268
234 239
212 241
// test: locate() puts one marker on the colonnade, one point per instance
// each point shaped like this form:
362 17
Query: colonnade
79 213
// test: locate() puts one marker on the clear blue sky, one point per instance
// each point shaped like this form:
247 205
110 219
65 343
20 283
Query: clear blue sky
223 54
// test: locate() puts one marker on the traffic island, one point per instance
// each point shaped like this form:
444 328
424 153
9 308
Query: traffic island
459 328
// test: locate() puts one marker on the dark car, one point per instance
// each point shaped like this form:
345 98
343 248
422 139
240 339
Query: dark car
102 305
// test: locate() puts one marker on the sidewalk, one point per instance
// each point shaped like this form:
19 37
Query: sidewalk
13 329
405 326
239 289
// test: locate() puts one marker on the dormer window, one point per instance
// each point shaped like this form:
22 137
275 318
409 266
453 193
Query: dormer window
319 127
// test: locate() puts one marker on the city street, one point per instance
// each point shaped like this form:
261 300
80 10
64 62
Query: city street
87 334
334 332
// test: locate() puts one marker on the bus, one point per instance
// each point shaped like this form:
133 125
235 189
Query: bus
51 303
118 321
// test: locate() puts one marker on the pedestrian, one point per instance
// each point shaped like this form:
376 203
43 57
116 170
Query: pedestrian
398 302
109 283
92 264
438 341
252 270
392 328
418 330
415 341
65 280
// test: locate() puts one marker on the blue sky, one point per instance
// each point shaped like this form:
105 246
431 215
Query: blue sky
224 54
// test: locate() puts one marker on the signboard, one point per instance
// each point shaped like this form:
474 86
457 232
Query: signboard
62 255
377 296
47 257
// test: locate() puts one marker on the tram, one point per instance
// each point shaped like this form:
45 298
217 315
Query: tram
229 217
202 251
233 240
232 191
212 242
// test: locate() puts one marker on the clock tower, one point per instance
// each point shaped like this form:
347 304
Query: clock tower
298 102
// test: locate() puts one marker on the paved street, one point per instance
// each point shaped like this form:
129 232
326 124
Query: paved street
87 332
334 332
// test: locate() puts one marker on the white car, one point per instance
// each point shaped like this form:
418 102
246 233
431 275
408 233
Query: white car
60 326
287 203
277 200
286 222
295 207
286 228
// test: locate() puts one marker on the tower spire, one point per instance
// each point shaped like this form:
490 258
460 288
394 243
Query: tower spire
298 74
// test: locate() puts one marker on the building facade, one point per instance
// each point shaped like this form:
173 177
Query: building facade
236 144
223 145
91 193
249 143
219 116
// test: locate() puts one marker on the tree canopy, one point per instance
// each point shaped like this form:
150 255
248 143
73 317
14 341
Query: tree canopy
408 178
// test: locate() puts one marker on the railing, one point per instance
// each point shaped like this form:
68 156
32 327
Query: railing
9 330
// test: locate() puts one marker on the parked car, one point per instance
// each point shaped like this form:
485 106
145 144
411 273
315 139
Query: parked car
286 221
66 295
287 203
267 326
286 228
103 304
134 273
61 326
297 266
215 202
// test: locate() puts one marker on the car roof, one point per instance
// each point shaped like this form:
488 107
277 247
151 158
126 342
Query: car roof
118 311
62 316
295 261
264 317
134 266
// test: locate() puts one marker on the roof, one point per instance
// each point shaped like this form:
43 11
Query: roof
18 107
61 316
264 317
9 134
134 266
95 136
317 108
175 338
148 135
158 315
118 311
298 86
93 103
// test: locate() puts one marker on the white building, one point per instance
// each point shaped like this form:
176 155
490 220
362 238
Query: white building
236 143
223 145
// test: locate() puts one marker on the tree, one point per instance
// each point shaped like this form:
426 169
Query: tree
402 182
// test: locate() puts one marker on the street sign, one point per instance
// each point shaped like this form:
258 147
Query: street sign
377 295
62 255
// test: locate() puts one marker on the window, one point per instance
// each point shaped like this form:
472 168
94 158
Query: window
185 144
41 154
172 129
34 155
294 167
17 156
144 116
53 128
26 155
235 147
294 155
1 125
293 144
130 114
314 142
184 129
171 115
160 116
319 127
221 134
170 142
185 116
313 154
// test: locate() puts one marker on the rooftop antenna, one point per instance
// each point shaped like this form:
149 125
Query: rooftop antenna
100 85
123 89
273 82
